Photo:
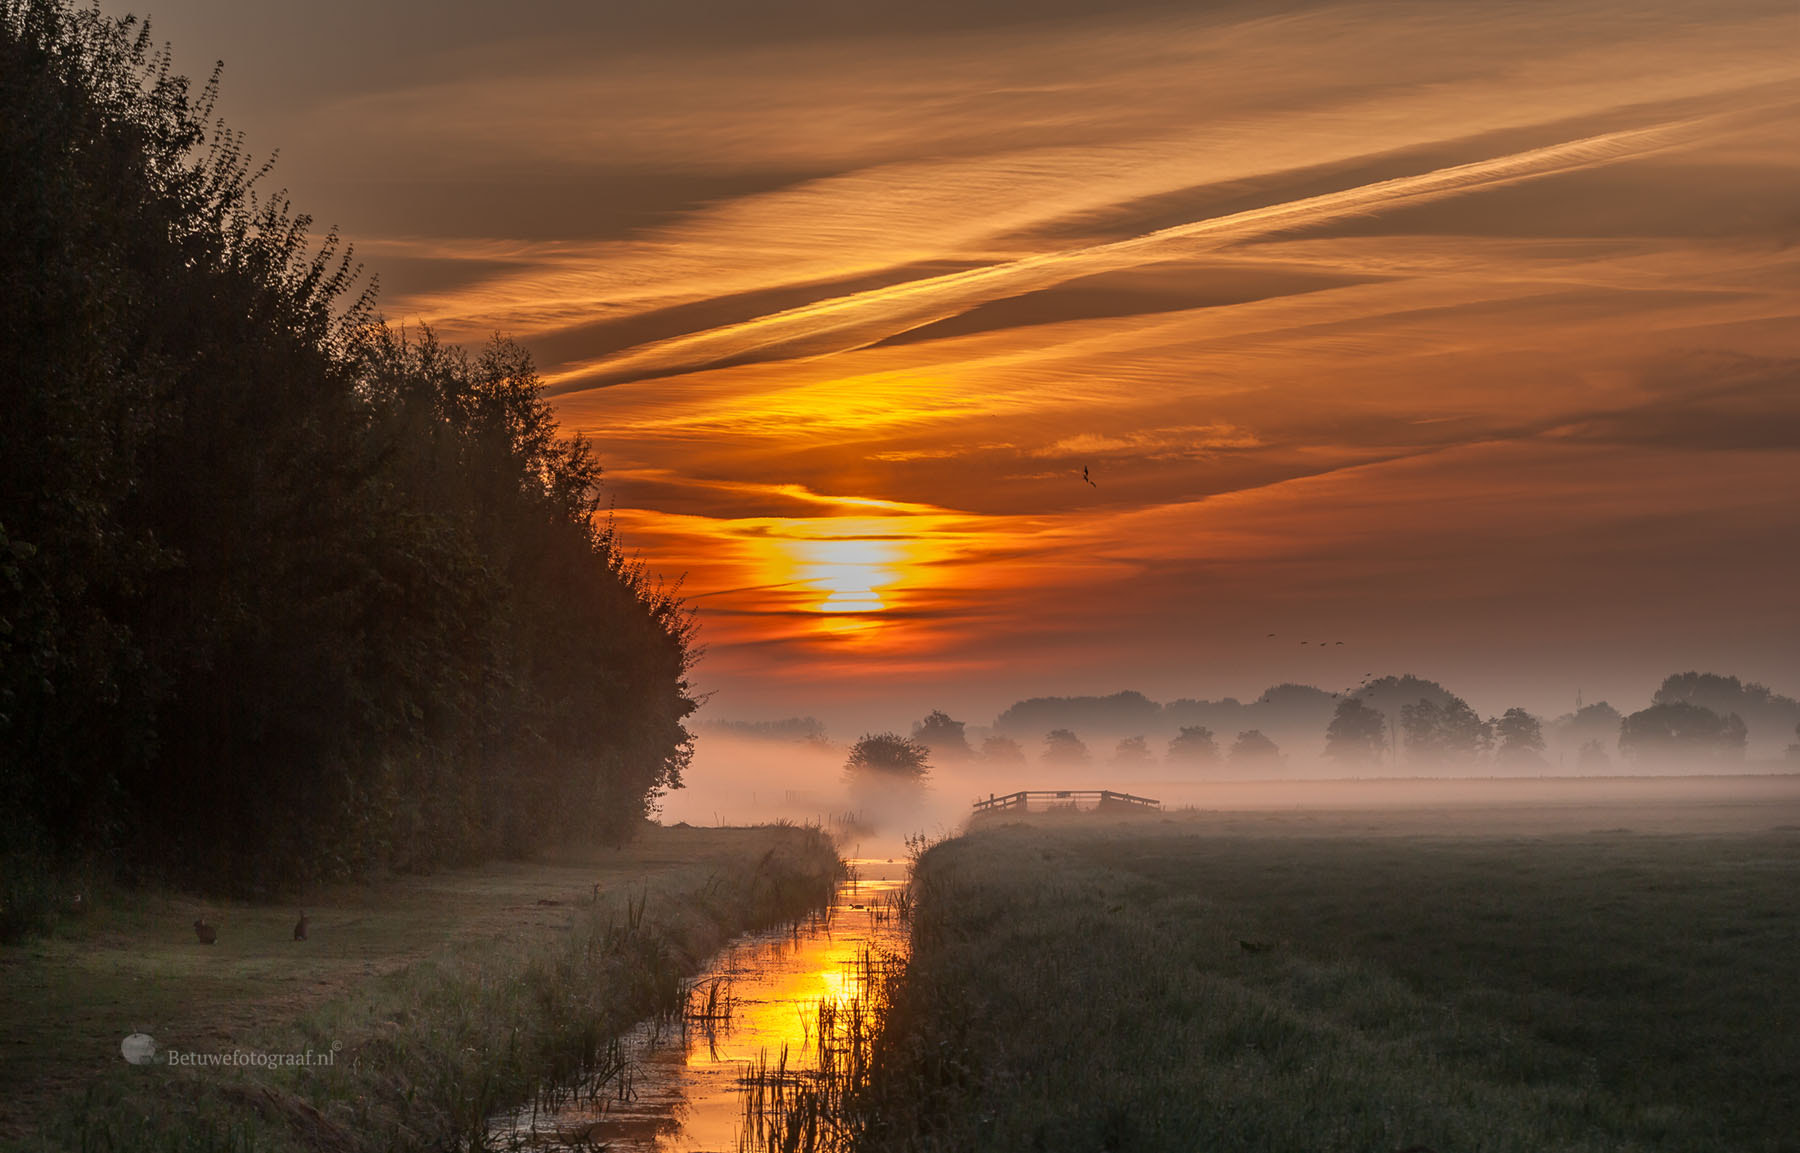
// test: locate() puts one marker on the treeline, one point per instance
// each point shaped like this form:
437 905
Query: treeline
284 593
1694 720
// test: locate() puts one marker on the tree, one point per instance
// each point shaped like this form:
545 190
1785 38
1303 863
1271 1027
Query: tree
1450 733
943 736
1132 752
1357 734
1682 734
1194 745
1119 713
1597 723
1002 751
1793 750
888 756
1593 758
1063 747
284 594
1252 750
1521 737
1767 716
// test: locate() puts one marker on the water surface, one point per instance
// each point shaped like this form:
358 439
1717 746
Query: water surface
680 1088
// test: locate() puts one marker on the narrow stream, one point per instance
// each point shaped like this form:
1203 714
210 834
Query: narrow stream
680 1088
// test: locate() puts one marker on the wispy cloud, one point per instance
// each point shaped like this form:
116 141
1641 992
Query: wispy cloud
1433 324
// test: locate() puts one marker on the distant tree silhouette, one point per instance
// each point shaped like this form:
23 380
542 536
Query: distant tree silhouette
804 730
1521 740
1357 734
1002 751
1252 750
888 755
1063 747
1194 745
1793 750
943 736
1593 758
1390 694
1596 723
1119 714
1446 734
1132 752
1682 734
1768 716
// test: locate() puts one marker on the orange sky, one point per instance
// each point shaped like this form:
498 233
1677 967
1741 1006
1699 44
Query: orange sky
1464 333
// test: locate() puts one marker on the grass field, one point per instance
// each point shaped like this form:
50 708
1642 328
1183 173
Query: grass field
448 996
1518 981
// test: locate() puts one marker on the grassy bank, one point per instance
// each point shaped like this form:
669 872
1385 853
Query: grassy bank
439 999
1313 983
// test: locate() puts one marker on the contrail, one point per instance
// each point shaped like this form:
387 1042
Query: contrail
862 318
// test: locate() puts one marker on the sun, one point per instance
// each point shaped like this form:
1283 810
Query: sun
848 574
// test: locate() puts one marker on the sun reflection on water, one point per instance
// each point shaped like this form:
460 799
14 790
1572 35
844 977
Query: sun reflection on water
684 1090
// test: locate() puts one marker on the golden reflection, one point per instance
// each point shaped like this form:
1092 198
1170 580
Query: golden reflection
779 1006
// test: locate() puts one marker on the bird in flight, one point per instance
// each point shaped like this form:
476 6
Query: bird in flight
1086 477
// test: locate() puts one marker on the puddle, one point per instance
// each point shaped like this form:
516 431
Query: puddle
679 1091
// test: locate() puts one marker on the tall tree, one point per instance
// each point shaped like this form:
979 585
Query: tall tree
943 736
1521 740
1357 734
1447 734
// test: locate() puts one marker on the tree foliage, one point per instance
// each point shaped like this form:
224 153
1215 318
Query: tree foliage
1063 747
1193 745
1767 715
1133 752
943 736
888 755
284 593
1357 734
1520 740
1450 733
1682 733
1002 751
1253 750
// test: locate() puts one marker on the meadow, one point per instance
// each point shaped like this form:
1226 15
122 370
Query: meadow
1507 982
441 998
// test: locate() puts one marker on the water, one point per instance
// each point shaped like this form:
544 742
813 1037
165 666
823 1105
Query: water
679 1088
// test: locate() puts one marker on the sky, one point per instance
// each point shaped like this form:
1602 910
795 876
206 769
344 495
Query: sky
1463 333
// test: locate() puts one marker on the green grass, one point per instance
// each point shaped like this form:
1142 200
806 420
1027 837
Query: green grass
447 997
1077 985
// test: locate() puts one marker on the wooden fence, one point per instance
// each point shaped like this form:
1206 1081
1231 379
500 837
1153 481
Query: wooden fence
1099 799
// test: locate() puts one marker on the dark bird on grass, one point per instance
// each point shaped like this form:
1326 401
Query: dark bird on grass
300 927
1086 477
1254 946
547 901
1338 642
1271 634
205 932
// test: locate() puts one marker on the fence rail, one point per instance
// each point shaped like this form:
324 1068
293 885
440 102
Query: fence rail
1101 799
